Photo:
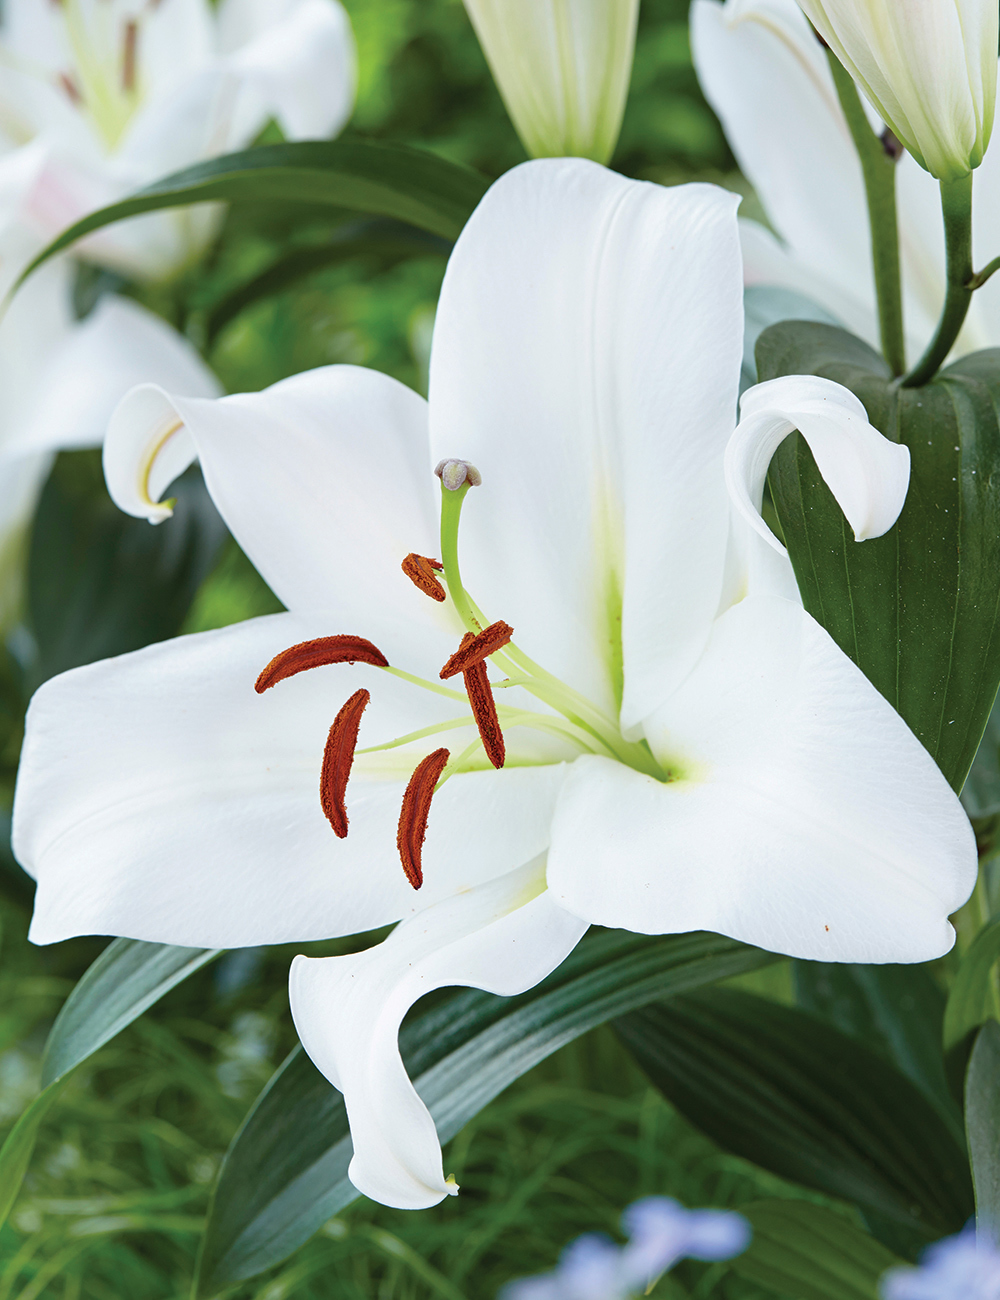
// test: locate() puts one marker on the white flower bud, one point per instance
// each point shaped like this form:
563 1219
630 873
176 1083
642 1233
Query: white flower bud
562 67
928 66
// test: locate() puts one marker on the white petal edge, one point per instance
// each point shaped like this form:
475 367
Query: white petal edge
503 937
806 817
868 474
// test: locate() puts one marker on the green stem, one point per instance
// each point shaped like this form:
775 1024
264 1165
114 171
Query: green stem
879 171
956 207
451 511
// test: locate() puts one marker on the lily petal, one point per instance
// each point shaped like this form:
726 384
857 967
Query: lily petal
159 797
298 63
99 360
586 359
805 815
503 937
324 479
868 474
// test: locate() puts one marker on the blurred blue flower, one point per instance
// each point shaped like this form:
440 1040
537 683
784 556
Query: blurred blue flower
661 1232
964 1267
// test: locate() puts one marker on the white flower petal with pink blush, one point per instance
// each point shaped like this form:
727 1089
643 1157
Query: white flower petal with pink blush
615 710
123 92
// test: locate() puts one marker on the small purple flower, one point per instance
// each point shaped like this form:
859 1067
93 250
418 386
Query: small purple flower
661 1232
964 1267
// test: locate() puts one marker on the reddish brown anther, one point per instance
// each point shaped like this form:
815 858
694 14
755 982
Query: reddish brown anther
474 649
338 759
420 569
342 649
414 813
131 43
484 709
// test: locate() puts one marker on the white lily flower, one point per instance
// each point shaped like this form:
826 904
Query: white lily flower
60 379
768 79
929 69
682 746
123 92
562 68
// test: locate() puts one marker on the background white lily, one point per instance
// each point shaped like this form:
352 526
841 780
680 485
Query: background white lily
562 67
60 379
697 753
768 79
122 92
929 69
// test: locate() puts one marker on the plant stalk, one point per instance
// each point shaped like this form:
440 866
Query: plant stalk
879 170
956 208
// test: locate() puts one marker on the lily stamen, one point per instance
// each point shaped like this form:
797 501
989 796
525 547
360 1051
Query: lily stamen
421 571
415 811
484 708
131 42
340 649
475 649
338 759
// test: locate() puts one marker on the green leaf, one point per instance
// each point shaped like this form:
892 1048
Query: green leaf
122 983
918 610
807 1252
784 1089
981 793
128 978
101 583
898 1010
982 1119
380 240
358 175
971 1002
286 1171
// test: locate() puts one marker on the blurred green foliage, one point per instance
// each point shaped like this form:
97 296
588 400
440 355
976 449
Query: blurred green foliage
114 1201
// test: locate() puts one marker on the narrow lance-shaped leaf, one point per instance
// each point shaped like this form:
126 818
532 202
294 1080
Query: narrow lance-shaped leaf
348 174
807 1252
788 1091
127 979
286 1171
971 1001
982 1119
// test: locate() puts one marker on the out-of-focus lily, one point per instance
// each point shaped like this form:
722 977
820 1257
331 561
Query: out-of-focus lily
121 92
562 67
60 379
963 1267
661 1233
616 712
767 77
929 70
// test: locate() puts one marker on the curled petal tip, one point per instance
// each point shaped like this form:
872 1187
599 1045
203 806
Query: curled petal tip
867 474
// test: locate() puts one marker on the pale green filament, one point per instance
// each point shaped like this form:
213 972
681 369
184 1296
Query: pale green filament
523 671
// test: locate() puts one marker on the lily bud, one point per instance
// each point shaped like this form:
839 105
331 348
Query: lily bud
928 66
562 67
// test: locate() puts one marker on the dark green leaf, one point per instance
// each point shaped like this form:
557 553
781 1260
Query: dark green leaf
286 1171
982 1119
809 1253
898 1010
356 175
123 982
382 241
101 583
981 794
784 1089
127 979
971 1001
919 609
